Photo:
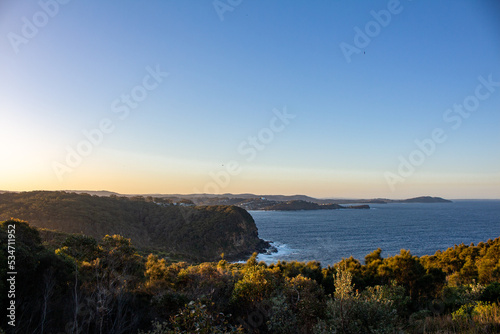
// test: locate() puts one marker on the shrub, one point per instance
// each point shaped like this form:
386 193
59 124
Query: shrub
456 297
372 311
491 293
280 316
486 313
479 312
194 318
464 313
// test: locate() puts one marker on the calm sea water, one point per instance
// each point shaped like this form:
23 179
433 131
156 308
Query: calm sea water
330 235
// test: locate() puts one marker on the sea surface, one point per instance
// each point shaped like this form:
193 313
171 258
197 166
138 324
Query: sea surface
330 235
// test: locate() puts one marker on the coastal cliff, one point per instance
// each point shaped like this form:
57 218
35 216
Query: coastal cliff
185 232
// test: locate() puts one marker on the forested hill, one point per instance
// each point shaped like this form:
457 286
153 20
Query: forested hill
199 233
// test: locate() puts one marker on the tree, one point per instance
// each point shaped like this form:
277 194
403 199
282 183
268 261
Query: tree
406 270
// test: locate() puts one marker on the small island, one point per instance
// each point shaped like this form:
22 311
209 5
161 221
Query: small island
424 199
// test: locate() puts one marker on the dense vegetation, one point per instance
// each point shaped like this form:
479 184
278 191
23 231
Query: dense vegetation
105 286
153 224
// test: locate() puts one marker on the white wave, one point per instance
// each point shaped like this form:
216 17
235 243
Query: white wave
272 256
281 251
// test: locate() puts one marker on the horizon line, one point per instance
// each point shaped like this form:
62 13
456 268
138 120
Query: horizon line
246 194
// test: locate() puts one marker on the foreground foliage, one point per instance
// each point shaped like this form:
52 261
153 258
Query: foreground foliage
105 286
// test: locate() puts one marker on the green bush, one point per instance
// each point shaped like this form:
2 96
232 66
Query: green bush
486 312
281 319
372 311
194 318
464 313
491 293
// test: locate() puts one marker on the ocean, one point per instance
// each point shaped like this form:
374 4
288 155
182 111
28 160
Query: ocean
330 235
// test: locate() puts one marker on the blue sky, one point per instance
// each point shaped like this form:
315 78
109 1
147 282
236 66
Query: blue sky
355 119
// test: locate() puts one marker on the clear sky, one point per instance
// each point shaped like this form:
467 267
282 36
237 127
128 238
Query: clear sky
325 98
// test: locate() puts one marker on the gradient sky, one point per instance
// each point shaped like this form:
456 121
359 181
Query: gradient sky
231 70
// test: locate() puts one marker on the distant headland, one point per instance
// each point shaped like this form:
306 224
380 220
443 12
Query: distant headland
270 202
296 202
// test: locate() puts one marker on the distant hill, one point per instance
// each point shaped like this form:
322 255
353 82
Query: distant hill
421 199
242 199
198 233
297 202
95 192
304 205
207 199
424 199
